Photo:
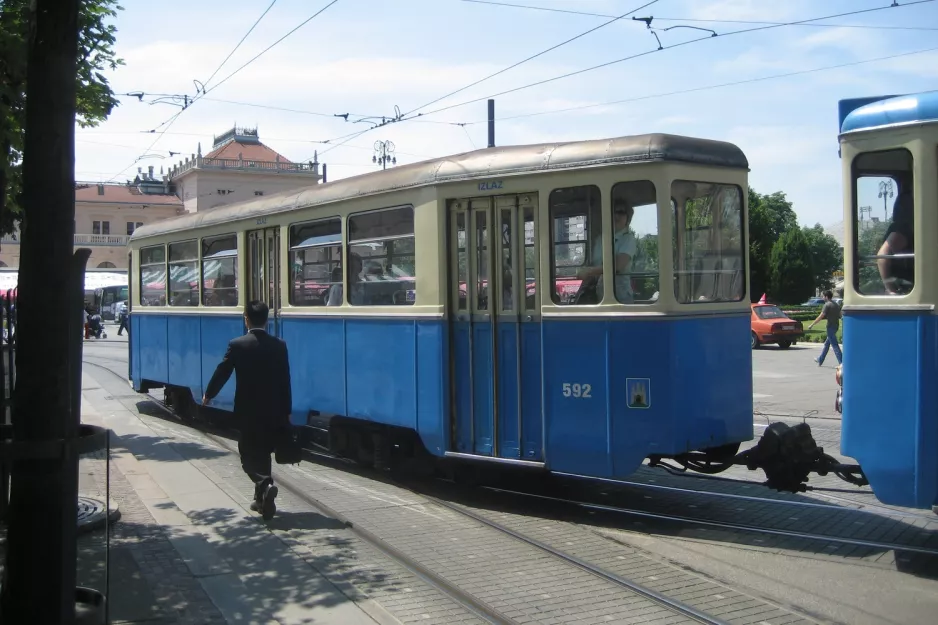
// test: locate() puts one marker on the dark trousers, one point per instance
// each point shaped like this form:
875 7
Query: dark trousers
123 326
255 450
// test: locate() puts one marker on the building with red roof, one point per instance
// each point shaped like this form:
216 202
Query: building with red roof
238 168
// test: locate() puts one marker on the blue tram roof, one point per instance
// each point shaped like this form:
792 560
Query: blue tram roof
874 112
486 163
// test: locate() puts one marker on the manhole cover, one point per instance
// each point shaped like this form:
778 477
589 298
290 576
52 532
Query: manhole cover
91 513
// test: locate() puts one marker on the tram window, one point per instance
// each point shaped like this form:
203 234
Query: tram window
220 271
153 276
382 262
316 263
635 256
884 207
184 273
707 239
576 245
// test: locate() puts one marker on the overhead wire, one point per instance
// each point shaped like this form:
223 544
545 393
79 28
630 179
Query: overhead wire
662 48
708 87
166 125
235 49
702 21
268 48
532 57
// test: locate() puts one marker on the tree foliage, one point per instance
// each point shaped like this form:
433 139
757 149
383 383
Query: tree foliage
770 216
826 256
772 219
95 99
792 278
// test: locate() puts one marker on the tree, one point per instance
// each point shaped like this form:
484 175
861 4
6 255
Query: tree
792 269
39 585
826 256
94 100
770 216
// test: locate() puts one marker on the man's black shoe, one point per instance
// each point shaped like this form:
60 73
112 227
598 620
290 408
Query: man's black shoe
256 506
269 507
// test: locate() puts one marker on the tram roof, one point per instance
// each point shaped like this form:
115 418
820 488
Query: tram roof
484 163
904 109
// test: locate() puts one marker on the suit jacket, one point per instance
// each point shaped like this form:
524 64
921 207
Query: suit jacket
263 399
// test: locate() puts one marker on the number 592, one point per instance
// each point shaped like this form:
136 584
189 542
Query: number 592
577 390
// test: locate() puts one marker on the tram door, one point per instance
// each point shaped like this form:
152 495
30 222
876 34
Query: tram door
495 327
264 272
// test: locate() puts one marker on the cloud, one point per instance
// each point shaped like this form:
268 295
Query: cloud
740 10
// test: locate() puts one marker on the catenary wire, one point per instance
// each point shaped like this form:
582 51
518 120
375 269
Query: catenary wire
708 87
169 122
532 57
250 30
676 45
701 21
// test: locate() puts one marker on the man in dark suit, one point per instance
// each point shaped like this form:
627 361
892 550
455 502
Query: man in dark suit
262 402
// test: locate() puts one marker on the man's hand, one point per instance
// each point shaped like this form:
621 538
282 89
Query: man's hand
205 400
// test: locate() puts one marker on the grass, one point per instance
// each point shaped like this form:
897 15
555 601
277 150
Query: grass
819 333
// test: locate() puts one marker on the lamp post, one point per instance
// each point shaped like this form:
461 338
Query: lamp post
384 154
885 192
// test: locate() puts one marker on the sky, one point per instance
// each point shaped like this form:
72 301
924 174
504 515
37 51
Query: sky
381 58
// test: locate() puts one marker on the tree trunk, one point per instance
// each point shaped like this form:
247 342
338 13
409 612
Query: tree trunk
40 573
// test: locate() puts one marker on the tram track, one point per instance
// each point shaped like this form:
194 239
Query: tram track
645 513
486 612
861 505
471 603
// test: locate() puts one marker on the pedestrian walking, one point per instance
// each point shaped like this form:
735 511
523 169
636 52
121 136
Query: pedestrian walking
123 319
262 401
831 313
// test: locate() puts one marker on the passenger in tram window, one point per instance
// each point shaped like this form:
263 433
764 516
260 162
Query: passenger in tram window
898 274
334 292
356 292
624 248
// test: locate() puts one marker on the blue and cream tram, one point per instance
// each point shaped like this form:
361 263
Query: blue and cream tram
398 294
889 150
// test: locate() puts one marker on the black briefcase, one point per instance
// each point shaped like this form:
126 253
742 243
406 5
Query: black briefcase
288 450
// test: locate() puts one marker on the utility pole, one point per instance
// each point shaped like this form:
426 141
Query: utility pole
491 123
39 580
384 154
885 192
868 210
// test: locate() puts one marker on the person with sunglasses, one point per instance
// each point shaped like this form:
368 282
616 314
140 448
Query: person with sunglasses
624 248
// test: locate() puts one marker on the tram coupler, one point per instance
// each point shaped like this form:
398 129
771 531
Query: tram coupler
787 455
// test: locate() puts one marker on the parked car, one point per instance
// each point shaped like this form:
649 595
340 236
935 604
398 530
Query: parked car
814 301
770 325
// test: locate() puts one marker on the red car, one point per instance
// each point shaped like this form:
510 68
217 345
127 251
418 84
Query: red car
770 325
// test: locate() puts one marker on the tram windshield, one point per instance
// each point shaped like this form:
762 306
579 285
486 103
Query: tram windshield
884 241
707 240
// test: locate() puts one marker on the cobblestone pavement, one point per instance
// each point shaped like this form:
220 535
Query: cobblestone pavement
362 573
148 578
520 581
404 517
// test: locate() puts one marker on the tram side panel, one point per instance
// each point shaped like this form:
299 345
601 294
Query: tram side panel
624 390
388 371
711 382
150 349
183 352
889 418
216 331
